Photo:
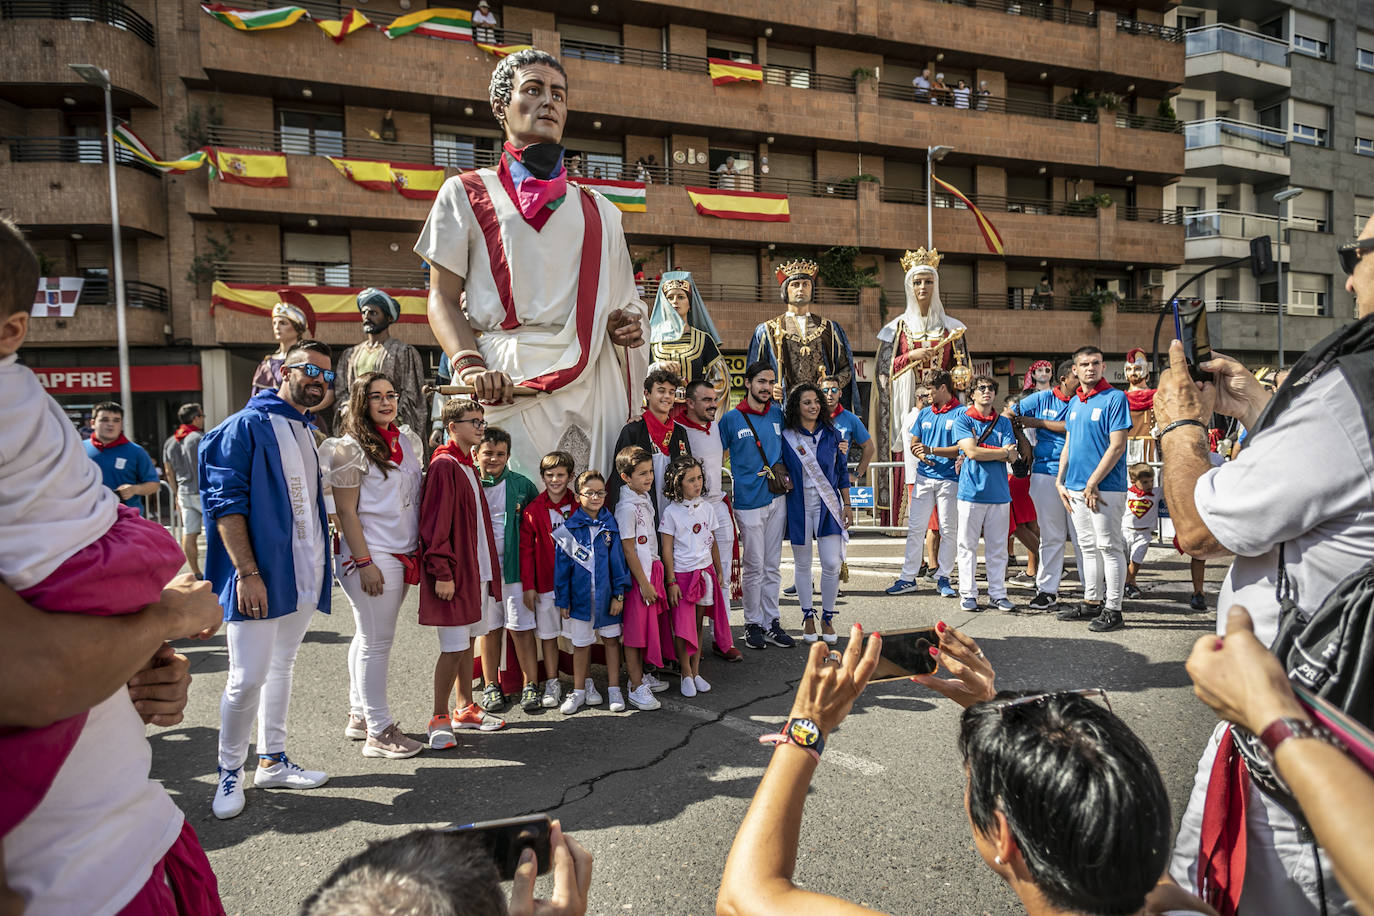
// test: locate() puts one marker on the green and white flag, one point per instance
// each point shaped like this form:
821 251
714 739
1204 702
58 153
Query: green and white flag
629 196
256 20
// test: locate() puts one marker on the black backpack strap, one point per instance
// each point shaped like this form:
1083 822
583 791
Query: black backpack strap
763 456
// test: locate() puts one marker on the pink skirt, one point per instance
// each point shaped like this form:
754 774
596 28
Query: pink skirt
182 883
694 585
646 626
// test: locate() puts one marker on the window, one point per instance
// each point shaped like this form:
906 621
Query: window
312 133
1310 123
590 42
1309 211
1311 35
1364 50
1309 294
464 150
1364 135
738 274
1364 208
729 49
315 260
1186 22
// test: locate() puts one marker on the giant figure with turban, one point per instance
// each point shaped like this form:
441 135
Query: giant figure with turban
380 352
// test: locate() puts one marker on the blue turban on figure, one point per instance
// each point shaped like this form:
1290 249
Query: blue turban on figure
374 296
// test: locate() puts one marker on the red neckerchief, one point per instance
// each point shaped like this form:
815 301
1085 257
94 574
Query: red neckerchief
949 405
1221 865
451 448
1140 398
990 418
184 430
1102 385
1066 398
680 415
562 506
1137 492
101 446
660 433
392 437
743 407
839 409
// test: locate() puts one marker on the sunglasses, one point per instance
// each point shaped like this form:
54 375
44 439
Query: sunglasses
830 391
1351 253
986 388
1035 699
313 371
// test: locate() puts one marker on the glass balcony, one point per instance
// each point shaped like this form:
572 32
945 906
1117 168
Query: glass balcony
1230 40
1237 134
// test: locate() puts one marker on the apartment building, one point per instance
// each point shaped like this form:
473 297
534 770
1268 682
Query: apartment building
1069 153
1278 96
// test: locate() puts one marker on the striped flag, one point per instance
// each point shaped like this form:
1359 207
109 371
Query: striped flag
255 168
500 51
256 20
991 236
733 71
440 22
130 141
751 205
373 174
628 196
417 182
329 303
339 29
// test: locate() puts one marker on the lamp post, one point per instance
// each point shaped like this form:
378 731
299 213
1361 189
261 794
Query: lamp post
100 78
933 155
1280 198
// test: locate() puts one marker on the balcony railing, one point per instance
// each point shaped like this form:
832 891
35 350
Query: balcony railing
1238 134
1240 42
317 273
1237 224
1063 111
70 149
99 291
795 77
1149 29
762 292
1150 215
333 145
1046 11
1149 122
110 12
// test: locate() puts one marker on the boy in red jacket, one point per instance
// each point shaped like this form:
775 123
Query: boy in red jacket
547 511
460 567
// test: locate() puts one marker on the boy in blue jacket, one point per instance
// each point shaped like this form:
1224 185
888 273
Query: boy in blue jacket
589 581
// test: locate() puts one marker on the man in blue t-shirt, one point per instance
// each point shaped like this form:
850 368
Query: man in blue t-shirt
1092 483
752 435
851 429
988 441
936 486
126 468
1045 412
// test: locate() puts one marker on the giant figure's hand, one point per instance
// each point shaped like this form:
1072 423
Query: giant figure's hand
625 328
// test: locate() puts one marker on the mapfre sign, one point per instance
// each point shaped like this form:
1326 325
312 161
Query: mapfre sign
105 379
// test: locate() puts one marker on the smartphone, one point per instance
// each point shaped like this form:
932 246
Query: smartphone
507 839
1190 326
906 652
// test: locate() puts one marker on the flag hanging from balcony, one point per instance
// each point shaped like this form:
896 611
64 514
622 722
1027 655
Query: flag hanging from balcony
256 20
256 168
373 174
500 51
57 297
439 22
752 205
733 71
329 303
130 141
991 237
418 182
628 196
339 29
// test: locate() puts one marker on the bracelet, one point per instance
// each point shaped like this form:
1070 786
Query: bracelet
461 353
1177 423
362 562
1286 727
242 576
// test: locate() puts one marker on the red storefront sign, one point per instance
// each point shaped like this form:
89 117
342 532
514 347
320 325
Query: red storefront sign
105 379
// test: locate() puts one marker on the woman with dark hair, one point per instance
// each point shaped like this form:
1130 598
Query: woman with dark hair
375 476
818 503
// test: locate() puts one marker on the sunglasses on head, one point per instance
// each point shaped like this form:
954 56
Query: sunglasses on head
1035 699
313 371
1351 253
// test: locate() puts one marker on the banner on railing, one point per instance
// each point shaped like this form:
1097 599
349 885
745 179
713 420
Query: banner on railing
437 22
732 71
628 196
751 205
256 20
255 168
412 180
339 29
329 303
126 138
57 297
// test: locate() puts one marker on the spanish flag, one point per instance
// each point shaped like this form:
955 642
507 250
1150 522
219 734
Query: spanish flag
373 174
418 182
329 303
500 51
255 168
752 205
339 29
256 20
130 141
991 236
437 22
733 71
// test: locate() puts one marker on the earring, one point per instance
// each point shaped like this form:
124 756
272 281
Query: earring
999 860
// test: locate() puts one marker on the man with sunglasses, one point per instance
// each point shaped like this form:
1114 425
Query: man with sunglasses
267 555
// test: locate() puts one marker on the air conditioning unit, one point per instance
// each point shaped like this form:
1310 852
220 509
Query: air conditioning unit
1154 278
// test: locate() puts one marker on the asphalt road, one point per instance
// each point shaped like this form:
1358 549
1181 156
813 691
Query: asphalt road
657 796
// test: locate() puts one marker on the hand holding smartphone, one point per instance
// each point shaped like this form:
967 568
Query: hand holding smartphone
506 839
1190 327
906 653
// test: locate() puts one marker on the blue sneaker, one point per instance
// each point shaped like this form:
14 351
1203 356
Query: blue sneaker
777 636
902 587
1004 604
946 590
969 604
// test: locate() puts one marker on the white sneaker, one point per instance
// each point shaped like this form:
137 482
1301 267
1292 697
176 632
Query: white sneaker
653 683
689 687
644 698
228 793
553 694
593 698
573 702
617 699
701 685
283 774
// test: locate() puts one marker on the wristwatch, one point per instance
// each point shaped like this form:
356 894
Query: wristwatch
1286 727
804 733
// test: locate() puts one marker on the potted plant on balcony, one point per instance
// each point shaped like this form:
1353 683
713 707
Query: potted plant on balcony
838 270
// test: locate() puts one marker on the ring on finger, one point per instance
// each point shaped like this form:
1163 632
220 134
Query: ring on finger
979 654
834 657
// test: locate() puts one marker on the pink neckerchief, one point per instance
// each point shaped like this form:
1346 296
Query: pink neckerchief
532 195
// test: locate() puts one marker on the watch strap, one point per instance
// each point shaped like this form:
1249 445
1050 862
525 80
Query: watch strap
802 732
1286 727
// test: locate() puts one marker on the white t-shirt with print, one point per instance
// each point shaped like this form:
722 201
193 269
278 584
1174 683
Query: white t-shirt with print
690 525
635 519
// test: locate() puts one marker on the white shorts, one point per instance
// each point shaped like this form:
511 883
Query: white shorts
514 614
548 623
493 612
459 639
1137 542
581 633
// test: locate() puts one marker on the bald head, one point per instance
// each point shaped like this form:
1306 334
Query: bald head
1360 284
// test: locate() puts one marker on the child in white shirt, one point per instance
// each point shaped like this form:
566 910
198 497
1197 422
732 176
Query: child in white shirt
690 562
1138 522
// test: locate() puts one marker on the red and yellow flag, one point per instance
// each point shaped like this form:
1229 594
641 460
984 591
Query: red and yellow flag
751 205
339 29
499 51
418 182
255 168
733 71
329 303
373 174
991 236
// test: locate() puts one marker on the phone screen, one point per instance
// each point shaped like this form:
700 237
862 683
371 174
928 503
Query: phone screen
506 839
906 652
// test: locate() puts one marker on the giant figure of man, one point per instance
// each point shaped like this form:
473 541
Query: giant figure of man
800 345
380 352
551 303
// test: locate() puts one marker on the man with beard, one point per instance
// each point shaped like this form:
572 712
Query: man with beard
381 352
267 556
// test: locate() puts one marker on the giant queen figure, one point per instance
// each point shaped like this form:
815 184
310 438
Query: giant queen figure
683 337
551 304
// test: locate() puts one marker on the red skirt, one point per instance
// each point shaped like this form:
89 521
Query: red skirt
648 626
1022 509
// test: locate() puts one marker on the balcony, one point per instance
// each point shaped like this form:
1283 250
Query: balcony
94 322
1253 327
1221 235
1235 150
1235 62
41 37
64 181
791 77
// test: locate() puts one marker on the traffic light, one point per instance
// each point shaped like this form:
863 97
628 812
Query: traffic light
1261 256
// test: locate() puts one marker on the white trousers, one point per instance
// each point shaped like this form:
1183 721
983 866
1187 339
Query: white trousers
831 549
760 533
942 496
725 546
1055 528
262 654
989 521
369 654
1104 550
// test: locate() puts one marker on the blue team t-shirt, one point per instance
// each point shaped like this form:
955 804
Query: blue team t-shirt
1090 424
1047 406
850 427
936 430
751 490
984 481
124 463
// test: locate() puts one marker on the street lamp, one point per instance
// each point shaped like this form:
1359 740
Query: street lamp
933 155
100 78
1280 198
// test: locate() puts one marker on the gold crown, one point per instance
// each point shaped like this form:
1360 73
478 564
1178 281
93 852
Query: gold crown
921 258
681 283
799 267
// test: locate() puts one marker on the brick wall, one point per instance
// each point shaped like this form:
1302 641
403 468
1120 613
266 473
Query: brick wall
37 52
